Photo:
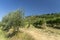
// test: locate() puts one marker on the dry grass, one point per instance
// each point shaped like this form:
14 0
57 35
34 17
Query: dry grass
36 34
2 35
42 34
21 36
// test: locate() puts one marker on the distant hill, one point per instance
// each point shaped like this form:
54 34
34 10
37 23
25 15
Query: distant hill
51 19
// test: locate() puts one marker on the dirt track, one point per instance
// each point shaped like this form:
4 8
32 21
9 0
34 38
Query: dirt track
39 35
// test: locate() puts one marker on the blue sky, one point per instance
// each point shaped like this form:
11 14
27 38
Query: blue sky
31 7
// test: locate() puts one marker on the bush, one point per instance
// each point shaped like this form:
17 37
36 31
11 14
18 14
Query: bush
13 19
38 24
54 23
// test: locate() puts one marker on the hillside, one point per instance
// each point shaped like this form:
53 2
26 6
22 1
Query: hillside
35 27
39 34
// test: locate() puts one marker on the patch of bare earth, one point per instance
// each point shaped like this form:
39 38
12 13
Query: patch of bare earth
39 35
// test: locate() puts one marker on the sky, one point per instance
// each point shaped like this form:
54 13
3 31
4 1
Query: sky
30 7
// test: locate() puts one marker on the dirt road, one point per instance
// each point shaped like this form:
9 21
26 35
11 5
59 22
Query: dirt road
39 35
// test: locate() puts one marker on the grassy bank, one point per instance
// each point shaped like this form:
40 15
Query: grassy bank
2 35
21 36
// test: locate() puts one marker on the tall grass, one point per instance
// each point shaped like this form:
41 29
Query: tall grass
2 35
21 36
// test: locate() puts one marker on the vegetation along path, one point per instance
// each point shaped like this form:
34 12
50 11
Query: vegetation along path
37 35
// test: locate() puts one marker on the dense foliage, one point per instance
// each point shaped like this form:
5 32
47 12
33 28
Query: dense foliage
16 20
13 20
52 20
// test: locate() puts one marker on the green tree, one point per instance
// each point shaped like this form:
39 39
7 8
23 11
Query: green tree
13 19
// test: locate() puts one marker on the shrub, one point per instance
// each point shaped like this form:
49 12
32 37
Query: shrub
54 23
38 24
13 19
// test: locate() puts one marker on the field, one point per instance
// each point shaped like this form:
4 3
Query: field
37 34
33 33
15 26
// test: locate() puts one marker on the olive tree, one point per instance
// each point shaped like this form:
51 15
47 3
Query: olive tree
13 19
